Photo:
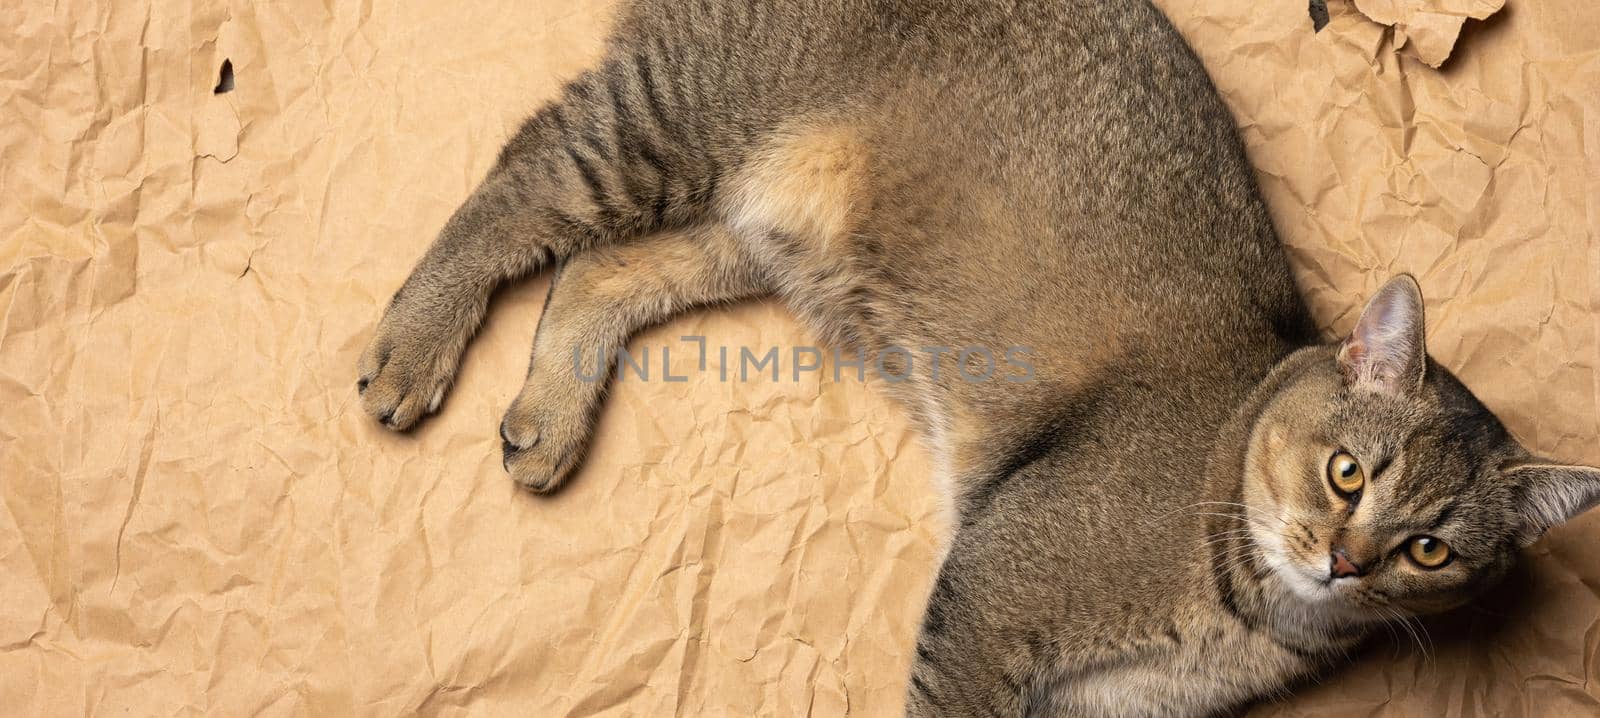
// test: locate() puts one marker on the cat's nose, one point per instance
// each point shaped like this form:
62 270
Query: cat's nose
1340 565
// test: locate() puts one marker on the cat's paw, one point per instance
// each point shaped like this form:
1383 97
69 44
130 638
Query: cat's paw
404 373
539 448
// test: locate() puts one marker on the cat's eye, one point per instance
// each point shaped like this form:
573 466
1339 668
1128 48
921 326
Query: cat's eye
1428 552
1345 474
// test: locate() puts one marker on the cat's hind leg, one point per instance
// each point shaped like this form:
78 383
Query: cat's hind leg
596 168
599 299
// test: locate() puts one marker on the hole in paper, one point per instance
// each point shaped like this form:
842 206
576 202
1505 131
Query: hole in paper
224 78
1319 15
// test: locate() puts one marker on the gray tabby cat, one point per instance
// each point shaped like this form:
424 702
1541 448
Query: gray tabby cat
1190 504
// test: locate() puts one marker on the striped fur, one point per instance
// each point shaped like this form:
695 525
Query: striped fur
1144 527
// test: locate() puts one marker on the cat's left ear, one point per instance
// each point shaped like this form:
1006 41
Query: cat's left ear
1552 494
1385 353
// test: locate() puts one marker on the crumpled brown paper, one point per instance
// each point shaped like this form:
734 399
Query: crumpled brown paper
1427 29
199 520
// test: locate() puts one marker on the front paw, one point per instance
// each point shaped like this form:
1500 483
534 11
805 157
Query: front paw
538 449
404 373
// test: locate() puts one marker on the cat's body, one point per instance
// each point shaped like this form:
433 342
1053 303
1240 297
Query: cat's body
1054 176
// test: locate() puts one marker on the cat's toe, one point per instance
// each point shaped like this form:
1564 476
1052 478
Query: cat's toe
400 384
539 461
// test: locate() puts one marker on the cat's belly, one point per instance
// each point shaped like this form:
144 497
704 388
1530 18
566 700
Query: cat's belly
1208 674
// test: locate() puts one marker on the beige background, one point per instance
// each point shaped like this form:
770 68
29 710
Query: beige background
197 518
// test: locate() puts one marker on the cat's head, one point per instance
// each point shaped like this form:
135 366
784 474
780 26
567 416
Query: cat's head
1377 483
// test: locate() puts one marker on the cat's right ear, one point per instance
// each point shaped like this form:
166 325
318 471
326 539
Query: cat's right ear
1551 494
1385 352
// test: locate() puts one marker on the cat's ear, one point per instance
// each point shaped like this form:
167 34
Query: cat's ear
1385 352
1550 494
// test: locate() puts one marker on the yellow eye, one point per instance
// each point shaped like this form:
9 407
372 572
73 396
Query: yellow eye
1345 474
1429 552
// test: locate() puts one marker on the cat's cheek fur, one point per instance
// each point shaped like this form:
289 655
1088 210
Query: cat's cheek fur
1292 573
